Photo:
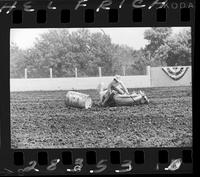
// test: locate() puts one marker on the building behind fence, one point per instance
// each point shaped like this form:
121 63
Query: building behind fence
154 77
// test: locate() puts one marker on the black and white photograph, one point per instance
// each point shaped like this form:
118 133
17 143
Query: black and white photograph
119 87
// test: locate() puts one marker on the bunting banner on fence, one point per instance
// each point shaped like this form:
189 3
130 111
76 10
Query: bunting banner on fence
175 73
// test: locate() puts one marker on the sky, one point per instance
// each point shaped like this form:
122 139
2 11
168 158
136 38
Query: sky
132 37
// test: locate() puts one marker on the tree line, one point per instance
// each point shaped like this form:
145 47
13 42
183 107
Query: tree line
63 51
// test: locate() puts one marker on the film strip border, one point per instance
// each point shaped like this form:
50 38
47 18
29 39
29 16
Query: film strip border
52 14
100 161
97 12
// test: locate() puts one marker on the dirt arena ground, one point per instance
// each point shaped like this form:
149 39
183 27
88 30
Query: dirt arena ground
41 120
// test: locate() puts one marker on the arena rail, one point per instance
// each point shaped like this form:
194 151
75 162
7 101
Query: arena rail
155 77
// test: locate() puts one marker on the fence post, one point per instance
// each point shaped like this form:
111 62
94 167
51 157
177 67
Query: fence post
124 70
76 72
100 72
25 73
51 75
148 70
148 73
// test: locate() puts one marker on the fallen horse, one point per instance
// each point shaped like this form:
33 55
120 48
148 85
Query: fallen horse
116 99
130 99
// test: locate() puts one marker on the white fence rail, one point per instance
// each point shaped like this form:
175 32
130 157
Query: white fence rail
73 83
154 77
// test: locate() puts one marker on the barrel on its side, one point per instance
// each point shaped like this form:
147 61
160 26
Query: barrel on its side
79 100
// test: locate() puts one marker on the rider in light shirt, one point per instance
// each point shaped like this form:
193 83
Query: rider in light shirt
116 86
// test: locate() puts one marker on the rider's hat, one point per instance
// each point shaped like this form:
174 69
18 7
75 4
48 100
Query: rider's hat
117 78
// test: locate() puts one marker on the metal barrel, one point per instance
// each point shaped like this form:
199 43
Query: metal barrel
79 100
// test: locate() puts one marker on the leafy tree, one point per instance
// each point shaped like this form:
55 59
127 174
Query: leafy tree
141 61
63 51
156 37
123 57
17 63
167 49
179 52
176 50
